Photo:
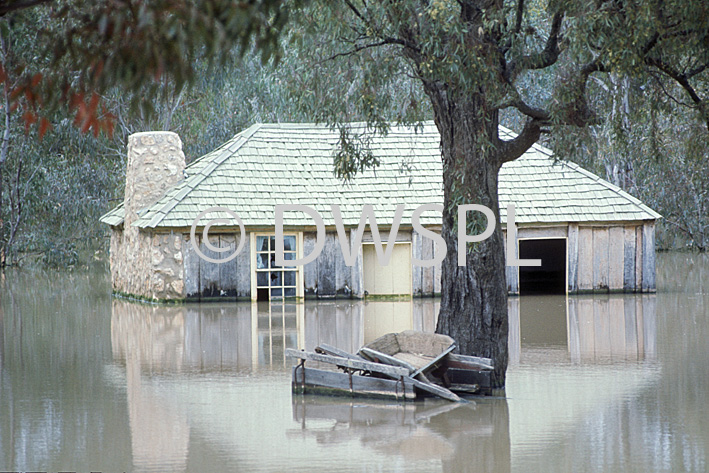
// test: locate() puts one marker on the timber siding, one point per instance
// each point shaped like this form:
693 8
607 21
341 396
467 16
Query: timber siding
608 234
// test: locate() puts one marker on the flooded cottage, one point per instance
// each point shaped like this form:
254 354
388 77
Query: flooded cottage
590 235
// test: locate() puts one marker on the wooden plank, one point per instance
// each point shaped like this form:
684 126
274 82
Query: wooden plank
476 361
437 250
629 259
511 272
427 273
191 268
585 261
648 284
357 271
209 272
379 357
343 273
392 371
310 270
315 381
327 277
243 269
433 362
573 257
616 251
600 259
434 389
228 274
326 349
638 258
544 232
416 271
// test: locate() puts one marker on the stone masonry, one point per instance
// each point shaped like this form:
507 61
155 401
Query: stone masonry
144 263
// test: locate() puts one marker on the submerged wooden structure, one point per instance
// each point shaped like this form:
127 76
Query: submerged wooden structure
401 366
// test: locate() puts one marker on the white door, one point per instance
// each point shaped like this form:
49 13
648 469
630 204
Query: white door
392 279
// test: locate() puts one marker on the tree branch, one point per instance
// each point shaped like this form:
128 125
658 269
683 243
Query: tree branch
8 6
543 59
383 42
519 15
509 150
682 80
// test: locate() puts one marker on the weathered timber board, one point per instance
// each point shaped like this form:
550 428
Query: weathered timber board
434 389
379 357
392 371
629 259
475 360
326 349
315 381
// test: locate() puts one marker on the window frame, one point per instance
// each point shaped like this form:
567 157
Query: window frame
299 279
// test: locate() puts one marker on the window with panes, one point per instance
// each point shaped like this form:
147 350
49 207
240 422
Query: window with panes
274 281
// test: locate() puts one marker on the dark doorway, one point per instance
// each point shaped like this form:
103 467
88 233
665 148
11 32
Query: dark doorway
550 277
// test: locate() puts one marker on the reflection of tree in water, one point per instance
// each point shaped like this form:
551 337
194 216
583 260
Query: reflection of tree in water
463 437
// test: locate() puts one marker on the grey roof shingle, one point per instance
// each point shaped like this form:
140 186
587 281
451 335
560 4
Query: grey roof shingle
270 164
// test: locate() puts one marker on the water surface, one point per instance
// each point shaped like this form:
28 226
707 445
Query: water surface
596 383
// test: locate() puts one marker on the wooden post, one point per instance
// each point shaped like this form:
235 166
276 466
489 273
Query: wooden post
243 269
638 258
417 287
511 272
629 259
600 259
616 248
310 270
573 255
343 273
190 261
327 278
649 257
228 270
585 259
357 271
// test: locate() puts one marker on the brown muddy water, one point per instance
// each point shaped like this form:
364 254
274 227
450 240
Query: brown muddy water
596 383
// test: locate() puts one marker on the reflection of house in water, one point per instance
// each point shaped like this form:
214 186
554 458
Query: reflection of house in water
350 324
242 336
590 328
548 337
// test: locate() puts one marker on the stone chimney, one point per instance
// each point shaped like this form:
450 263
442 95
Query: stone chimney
155 164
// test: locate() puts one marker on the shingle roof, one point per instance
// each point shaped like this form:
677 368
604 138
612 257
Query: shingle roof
269 164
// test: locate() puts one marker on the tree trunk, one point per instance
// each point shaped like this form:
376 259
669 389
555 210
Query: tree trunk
474 299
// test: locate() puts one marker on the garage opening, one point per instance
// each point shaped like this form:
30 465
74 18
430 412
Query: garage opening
550 277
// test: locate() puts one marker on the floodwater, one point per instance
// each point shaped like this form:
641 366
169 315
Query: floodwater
596 383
